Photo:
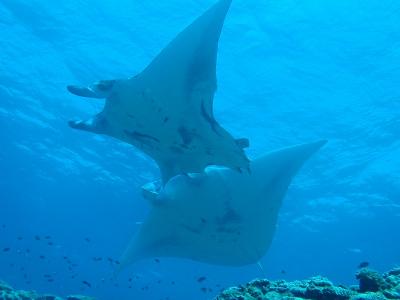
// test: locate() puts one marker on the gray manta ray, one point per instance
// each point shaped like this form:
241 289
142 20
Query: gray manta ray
221 216
167 110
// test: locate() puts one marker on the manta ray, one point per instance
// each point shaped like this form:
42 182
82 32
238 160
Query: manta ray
167 110
221 216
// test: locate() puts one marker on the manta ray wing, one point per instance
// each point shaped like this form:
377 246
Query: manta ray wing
187 66
167 110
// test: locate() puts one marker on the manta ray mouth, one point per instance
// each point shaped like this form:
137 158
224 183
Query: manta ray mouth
135 135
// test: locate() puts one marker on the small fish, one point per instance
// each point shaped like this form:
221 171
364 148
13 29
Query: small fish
47 237
37 237
6 249
19 238
97 258
47 275
87 240
50 280
3 226
354 250
86 283
67 260
173 282
201 279
364 264
283 272
204 290
50 243
157 260
42 257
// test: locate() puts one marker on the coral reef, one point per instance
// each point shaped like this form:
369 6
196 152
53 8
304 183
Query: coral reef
8 293
372 285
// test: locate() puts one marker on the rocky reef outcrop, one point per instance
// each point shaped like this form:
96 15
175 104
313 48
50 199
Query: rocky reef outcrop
372 286
8 293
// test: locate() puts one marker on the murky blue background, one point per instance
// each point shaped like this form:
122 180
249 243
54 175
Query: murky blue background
289 71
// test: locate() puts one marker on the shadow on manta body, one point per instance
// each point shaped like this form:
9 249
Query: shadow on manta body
219 217
167 110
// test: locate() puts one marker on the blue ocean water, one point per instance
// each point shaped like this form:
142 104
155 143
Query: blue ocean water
289 71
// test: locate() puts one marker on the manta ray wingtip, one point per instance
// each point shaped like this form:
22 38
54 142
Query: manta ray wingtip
319 144
324 141
70 88
77 90
303 152
74 124
225 2
311 148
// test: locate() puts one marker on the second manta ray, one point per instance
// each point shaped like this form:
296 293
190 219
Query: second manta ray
218 217
167 110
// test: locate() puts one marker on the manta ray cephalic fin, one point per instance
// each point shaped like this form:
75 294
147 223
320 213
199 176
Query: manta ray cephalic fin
100 89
